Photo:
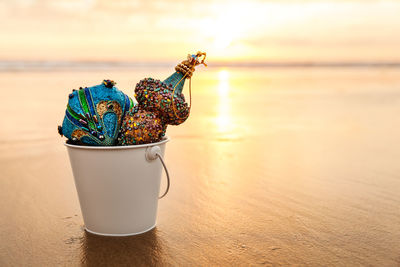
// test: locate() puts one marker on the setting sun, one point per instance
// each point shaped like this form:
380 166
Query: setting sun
226 27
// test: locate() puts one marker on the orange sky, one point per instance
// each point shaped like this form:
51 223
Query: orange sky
367 30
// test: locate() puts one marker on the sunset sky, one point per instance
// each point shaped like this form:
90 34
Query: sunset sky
237 31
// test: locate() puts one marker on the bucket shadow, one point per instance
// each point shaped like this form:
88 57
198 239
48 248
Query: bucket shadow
140 250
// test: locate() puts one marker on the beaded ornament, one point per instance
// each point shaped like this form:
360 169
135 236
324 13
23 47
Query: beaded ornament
94 114
159 103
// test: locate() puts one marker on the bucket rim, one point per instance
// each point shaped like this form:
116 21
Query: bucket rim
163 141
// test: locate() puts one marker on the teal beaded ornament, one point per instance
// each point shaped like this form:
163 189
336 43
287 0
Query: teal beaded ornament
94 114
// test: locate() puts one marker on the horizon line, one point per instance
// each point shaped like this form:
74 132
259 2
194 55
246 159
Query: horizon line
49 65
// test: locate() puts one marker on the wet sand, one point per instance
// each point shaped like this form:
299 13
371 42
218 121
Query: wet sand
274 167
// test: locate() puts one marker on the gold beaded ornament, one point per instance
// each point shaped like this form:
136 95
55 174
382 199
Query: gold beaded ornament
160 103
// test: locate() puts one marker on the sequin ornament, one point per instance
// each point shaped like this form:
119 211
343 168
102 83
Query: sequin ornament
160 103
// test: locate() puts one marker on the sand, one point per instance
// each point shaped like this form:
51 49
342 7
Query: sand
274 167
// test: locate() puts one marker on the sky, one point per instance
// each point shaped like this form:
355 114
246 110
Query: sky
229 31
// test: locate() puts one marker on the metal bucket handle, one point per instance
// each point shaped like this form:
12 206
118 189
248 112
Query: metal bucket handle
153 153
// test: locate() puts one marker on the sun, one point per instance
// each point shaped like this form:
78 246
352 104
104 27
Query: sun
222 41
224 29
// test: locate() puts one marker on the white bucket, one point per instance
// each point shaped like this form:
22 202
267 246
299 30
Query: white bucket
118 186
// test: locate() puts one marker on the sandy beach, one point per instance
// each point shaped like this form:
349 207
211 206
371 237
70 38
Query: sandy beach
275 166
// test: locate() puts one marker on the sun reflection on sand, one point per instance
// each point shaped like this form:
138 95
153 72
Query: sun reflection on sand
223 119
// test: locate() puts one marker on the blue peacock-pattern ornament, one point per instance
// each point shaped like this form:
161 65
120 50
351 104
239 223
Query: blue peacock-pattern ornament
94 114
